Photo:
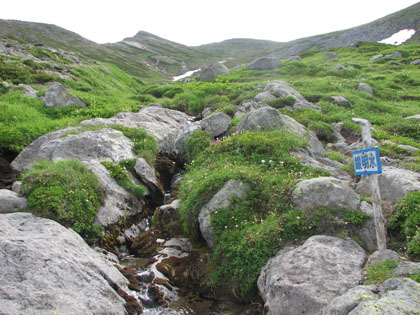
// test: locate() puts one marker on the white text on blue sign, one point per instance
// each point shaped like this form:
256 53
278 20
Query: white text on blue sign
367 161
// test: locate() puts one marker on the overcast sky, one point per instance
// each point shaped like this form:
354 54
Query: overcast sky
196 22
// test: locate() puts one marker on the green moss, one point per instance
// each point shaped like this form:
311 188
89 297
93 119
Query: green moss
119 173
66 192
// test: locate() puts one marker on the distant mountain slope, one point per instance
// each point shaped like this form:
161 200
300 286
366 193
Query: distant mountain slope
375 31
245 50
60 38
145 55
162 54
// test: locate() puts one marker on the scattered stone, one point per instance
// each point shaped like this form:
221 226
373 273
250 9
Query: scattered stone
339 67
294 58
16 186
325 192
248 107
382 255
415 62
49 268
395 54
341 101
393 296
282 89
168 214
28 91
57 96
6 85
264 63
206 112
220 201
330 55
365 87
305 279
376 57
263 96
217 124
406 268
11 202
213 71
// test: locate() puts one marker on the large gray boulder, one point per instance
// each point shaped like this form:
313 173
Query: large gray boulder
282 89
415 62
264 63
57 96
11 201
90 148
305 279
366 88
46 269
74 144
217 124
213 71
161 123
28 90
268 118
325 192
181 139
118 202
393 296
264 96
394 183
220 201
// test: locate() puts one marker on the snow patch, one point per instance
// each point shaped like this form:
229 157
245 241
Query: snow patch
399 37
185 75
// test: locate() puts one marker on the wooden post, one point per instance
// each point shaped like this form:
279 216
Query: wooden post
374 188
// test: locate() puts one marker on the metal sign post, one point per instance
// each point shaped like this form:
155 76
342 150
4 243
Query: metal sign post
368 162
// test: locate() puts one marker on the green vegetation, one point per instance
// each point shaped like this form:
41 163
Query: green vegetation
406 220
251 230
379 272
66 192
119 173
145 146
195 144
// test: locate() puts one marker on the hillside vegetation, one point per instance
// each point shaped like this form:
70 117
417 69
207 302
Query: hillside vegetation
250 231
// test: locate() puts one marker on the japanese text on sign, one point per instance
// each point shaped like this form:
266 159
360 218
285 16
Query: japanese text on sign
367 161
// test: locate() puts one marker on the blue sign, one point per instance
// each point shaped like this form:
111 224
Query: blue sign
367 161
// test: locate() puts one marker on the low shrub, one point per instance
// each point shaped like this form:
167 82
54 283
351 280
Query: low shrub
66 192
324 131
379 272
281 102
406 220
197 143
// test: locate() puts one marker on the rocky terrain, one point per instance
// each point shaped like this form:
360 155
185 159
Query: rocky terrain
229 192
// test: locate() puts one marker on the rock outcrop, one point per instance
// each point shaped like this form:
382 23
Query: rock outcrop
393 296
305 279
394 183
264 63
281 89
47 268
328 192
366 88
220 201
213 71
268 118
161 123
57 96
341 101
